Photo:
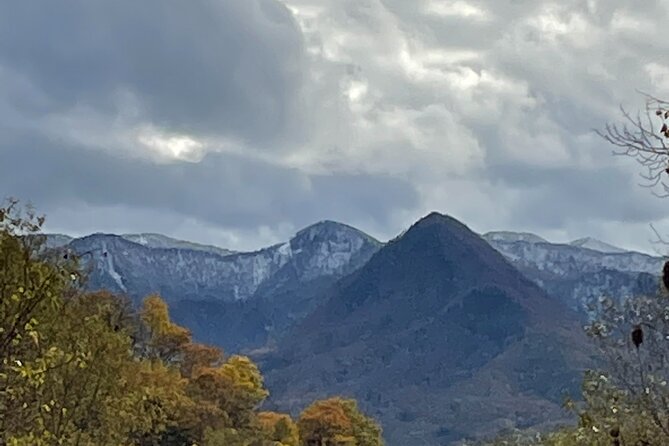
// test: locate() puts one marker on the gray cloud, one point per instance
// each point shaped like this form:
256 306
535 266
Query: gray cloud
211 66
244 115
225 190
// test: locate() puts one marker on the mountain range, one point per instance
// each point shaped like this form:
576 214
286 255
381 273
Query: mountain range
441 333
438 336
236 300
242 300
580 271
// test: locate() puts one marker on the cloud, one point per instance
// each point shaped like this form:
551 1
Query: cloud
263 116
208 66
220 190
519 85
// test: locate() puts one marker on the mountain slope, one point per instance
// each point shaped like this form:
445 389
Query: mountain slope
576 274
162 241
57 240
237 301
510 237
596 245
439 336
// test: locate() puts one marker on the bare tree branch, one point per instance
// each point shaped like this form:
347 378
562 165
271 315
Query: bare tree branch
644 137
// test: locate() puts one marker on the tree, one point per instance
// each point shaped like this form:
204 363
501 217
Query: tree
68 373
337 422
630 395
365 430
278 429
32 287
163 339
196 357
235 389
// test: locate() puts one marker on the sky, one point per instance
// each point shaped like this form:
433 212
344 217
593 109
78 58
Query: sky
239 122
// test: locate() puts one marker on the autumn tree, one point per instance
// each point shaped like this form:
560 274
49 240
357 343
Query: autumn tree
68 373
278 429
31 291
161 338
337 422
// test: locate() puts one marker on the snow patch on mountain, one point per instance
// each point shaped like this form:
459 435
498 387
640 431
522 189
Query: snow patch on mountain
110 268
596 245
577 274
152 240
511 237
138 267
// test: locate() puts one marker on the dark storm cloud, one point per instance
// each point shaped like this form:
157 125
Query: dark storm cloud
208 66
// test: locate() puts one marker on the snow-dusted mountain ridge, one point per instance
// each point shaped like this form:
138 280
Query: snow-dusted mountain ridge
235 300
510 237
585 242
596 245
583 269
140 265
152 240
242 298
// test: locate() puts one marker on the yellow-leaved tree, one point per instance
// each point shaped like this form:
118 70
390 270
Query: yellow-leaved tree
337 421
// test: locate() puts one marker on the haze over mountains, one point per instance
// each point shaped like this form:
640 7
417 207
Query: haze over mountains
436 333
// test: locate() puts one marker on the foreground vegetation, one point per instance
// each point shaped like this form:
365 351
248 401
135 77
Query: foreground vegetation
82 368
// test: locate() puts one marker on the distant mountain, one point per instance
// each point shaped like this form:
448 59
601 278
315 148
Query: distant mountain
475 324
307 265
596 245
161 241
237 301
243 300
511 237
57 240
576 273
527 237
437 335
